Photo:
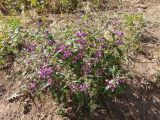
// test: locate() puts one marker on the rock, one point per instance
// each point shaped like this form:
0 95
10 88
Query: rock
142 6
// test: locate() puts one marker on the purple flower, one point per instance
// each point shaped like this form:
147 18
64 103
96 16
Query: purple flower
61 48
112 85
121 81
101 47
82 43
81 34
49 81
87 68
65 51
79 56
120 42
101 40
74 86
119 33
83 87
98 54
45 72
51 42
30 47
33 85
67 54
93 45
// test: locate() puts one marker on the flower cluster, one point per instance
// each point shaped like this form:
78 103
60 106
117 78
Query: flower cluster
80 55
114 83
82 43
30 47
65 51
87 68
45 72
51 42
81 34
33 85
120 42
99 53
61 48
84 87
67 54
119 33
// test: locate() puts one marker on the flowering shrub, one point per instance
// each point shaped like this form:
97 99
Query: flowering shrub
84 71
92 61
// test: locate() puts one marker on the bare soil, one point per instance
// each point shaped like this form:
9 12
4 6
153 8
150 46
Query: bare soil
140 102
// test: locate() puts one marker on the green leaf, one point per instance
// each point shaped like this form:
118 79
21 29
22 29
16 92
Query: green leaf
120 52
69 42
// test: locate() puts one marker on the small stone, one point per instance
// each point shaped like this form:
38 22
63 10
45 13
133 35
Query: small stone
142 6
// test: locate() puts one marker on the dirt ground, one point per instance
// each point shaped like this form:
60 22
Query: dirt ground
141 102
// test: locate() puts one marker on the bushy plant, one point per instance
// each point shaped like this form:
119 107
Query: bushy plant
82 72
90 67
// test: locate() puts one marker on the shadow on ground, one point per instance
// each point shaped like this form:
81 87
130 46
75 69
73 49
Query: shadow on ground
140 102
